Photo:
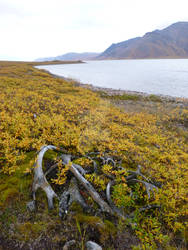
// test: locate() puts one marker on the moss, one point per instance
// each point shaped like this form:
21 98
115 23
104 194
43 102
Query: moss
13 180
3 186
103 94
91 220
110 227
7 218
26 163
76 207
28 230
9 191
132 97
9 194
185 236
15 187
127 97
105 228
50 155
154 98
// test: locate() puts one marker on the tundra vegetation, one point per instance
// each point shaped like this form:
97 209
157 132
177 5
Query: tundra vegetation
109 144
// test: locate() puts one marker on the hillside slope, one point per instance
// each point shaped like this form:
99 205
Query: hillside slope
171 42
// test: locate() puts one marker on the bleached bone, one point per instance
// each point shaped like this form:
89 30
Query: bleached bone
69 196
67 158
149 186
51 168
73 194
112 205
117 210
96 197
40 180
135 173
142 209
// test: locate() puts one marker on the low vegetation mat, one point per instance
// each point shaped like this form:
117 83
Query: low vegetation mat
109 145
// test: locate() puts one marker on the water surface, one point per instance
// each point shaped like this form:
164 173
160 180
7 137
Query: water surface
162 76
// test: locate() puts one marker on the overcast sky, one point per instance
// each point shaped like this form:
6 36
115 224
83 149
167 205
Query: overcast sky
42 28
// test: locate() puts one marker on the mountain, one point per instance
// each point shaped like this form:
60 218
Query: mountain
171 42
71 57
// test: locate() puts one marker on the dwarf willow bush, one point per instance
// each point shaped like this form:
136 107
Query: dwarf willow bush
38 109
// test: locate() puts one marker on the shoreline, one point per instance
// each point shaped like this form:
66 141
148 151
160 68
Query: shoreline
119 92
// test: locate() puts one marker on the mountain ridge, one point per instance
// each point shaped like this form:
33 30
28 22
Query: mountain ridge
71 56
169 42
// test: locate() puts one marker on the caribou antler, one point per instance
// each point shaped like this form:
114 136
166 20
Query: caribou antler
67 198
149 186
40 180
108 196
73 194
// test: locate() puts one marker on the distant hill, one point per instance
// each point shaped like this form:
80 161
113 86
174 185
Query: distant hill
71 57
171 42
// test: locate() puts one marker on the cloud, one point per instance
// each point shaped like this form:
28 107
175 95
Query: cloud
39 28
8 9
